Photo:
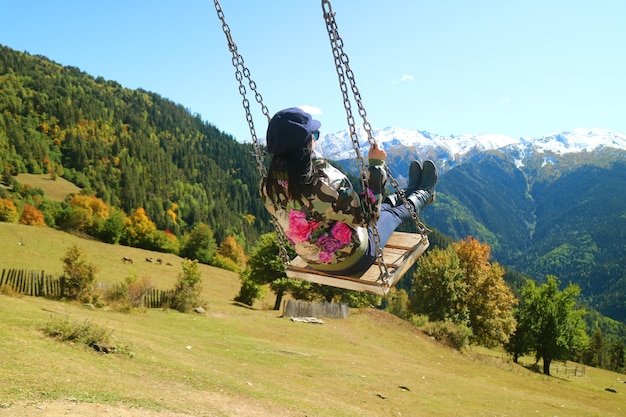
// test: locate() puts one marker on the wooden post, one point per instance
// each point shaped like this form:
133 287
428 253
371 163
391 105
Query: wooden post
62 287
42 278
20 281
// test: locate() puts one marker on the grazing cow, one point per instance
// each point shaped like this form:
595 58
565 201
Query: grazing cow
169 264
159 261
126 259
149 260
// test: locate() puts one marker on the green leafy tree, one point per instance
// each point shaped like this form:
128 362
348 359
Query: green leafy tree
266 267
398 302
549 320
112 229
439 289
163 241
594 354
519 343
200 244
79 273
617 350
249 290
188 287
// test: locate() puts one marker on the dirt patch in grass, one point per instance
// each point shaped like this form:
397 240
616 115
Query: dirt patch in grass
74 409
215 405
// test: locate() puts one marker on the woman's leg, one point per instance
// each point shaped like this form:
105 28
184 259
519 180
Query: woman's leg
390 218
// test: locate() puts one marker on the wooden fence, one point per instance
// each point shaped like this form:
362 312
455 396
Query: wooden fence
40 284
33 283
578 370
298 308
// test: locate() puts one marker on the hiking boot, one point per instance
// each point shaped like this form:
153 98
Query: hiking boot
415 171
425 193
429 177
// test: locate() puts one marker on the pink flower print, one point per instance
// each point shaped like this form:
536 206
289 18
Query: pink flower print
326 257
299 228
329 245
342 232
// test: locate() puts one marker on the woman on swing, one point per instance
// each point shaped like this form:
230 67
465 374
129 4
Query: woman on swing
316 206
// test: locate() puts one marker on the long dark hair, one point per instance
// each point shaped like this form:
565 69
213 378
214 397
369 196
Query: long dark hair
295 168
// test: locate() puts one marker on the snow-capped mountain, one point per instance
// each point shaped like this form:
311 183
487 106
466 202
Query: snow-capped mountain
450 150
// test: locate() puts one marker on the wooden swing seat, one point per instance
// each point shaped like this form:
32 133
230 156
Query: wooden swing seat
400 253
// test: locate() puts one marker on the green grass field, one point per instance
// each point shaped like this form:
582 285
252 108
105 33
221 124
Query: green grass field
240 361
55 190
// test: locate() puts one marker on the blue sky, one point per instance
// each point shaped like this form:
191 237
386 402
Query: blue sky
518 68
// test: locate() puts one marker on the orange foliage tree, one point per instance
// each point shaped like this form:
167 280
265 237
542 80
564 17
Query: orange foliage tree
31 216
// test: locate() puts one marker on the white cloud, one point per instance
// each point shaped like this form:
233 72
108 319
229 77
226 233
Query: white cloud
311 109
404 79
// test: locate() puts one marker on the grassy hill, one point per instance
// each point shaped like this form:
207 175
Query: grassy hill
238 361
55 190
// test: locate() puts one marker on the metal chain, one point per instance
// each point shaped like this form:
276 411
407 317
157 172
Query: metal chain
341 61
241 73
342 66
343 71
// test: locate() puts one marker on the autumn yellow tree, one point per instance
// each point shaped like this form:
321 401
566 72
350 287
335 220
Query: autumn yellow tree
232 250
8 211
460 284
95 206
86 213
490 301
138 229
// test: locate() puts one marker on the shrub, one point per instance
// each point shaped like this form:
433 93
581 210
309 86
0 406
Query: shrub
80 274
223 262
130 294
67 330
9 291
418 320
138 289
248 292
188 288
99 338
446 332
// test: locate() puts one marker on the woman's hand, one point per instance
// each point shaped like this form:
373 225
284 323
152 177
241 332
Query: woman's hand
377 153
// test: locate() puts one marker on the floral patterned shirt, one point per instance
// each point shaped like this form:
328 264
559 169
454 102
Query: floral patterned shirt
327 228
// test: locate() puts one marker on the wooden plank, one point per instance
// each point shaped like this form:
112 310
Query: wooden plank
400 253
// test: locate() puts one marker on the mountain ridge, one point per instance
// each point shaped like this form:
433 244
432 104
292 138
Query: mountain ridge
552 205
454 149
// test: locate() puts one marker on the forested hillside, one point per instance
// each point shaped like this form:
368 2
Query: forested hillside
131 148
564 218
